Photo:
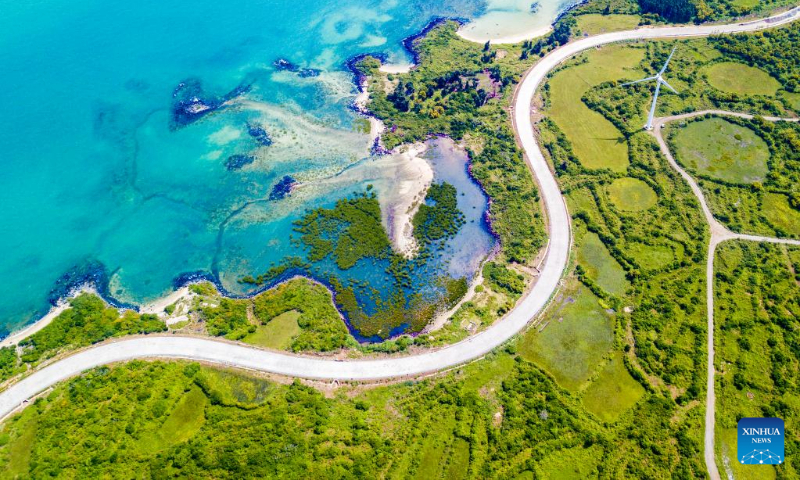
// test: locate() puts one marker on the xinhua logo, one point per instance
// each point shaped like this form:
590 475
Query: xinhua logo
760 441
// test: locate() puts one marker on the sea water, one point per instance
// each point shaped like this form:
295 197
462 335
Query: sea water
95 172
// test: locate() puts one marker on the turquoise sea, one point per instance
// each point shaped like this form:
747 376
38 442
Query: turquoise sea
95 174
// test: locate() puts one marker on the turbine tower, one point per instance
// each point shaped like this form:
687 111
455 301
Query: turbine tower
659 81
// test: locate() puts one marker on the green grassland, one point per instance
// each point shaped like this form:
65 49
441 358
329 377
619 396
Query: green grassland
794 101
599 265
578 333
279 333
613 392
666 290
596 142
778 213
741 176
654 257
626 107
594 23
757 290
722 150
182 423
741 79
631 194
576 463
726 443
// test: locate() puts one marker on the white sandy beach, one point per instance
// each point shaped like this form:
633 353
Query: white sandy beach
513 21
414 177
480 37
396 68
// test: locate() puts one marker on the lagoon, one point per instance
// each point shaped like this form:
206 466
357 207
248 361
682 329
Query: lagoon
97 176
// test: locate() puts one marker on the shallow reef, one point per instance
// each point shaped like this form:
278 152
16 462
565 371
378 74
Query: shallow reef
190 103
283 188
259 134
238 160
283 65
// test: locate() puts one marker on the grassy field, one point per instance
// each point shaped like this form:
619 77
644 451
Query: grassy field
595 140
775 208
574 464
746 3
726 447
741 79
651 257
722 150
578 333
794 100
600 265
613 392
19 452
757 306
185 420
233 388
593 23
631 194
279 333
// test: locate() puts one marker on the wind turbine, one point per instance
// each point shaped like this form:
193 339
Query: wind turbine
659 81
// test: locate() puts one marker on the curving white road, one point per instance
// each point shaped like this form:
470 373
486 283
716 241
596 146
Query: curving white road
224 353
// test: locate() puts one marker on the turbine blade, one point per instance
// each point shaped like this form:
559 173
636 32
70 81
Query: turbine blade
664 68
653 107
668 85
638 81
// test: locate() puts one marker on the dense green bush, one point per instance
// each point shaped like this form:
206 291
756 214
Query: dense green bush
228 319
88 321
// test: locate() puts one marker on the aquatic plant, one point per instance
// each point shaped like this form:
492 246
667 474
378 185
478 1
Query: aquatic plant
191 104
238 160
283 188
439 217
259 134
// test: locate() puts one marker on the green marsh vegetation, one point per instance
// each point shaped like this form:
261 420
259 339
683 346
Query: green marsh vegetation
757 290
722 150
631 194
348 232
351 232
734 77
438 218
